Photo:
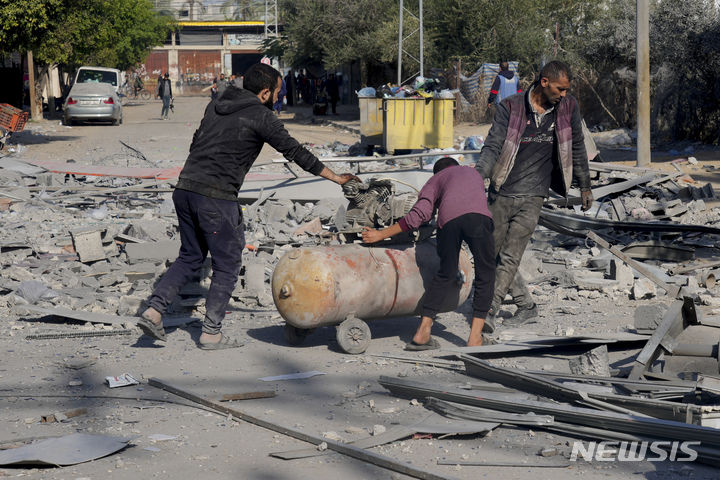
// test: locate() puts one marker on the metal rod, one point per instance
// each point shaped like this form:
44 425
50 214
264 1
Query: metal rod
422 61
671 290
345 449
400 45
643 83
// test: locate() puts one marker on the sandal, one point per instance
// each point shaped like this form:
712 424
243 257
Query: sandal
151 329
431 344
224 343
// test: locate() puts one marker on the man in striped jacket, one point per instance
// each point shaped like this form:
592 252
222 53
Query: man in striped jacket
534 144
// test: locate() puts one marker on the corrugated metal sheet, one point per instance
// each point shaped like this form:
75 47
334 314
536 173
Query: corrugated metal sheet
155 65
197 69
478 84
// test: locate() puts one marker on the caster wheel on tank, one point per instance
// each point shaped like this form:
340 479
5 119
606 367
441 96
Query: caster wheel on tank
353 336
294 335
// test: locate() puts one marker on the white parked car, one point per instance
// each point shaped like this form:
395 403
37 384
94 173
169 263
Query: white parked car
113 76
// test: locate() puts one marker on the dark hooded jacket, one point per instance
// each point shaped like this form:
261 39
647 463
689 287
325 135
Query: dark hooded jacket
230 137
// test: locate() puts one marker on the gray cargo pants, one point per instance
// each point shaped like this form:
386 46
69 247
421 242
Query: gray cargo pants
515 219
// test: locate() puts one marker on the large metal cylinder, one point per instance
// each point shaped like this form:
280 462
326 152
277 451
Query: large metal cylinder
318 286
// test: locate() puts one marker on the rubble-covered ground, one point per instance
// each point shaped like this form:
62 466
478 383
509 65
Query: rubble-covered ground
50 220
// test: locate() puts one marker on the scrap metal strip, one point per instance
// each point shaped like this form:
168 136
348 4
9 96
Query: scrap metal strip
349 450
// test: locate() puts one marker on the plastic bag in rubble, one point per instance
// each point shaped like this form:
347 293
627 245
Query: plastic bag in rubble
167 206
366 92
98 213
33 291
474 142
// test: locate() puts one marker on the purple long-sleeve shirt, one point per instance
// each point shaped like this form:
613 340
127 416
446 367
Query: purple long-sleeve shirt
454 191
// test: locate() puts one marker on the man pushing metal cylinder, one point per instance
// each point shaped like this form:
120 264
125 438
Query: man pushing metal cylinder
346 284
330 285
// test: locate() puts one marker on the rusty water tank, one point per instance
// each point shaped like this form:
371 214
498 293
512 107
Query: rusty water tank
320 286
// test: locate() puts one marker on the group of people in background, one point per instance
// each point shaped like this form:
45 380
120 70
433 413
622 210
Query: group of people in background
310 91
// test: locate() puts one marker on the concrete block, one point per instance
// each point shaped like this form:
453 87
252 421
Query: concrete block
644 288
148 230
130 305
140 252
312 227
621 273
648 317
585 282
255 278
326 208
88 244
595 362
278 211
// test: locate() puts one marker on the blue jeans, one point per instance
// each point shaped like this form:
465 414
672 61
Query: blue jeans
166 107
206 225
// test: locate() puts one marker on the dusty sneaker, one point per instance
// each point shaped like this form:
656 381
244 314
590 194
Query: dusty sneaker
523 316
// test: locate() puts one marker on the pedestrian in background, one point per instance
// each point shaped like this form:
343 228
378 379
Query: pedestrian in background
332 87
221 83
164 92
277 106
505 84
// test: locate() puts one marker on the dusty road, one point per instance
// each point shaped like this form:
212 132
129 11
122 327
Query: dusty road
38 377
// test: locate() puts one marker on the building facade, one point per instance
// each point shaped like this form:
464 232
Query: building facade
200 50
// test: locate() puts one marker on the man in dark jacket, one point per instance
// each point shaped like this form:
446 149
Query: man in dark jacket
164 92
232 133
534 144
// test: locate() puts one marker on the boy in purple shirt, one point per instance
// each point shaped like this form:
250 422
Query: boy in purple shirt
458 195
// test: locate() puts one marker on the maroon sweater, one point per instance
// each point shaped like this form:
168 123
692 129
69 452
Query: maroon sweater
453 192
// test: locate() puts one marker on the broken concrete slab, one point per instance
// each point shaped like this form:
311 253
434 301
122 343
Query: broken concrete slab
313 227
28 311
159 251
643 288
648 317
148 230
595 362
621 273
88 244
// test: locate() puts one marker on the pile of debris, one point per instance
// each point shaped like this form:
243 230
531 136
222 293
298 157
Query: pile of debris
643 409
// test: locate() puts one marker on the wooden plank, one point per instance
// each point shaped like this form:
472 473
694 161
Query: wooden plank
697 266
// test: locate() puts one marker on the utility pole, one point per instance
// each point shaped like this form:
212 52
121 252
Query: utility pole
35 112
271 18
643 83
402 39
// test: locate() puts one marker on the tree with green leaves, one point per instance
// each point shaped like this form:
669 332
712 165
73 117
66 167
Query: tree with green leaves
335 32
70 33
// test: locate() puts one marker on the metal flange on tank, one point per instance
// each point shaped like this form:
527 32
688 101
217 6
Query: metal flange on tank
347 285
